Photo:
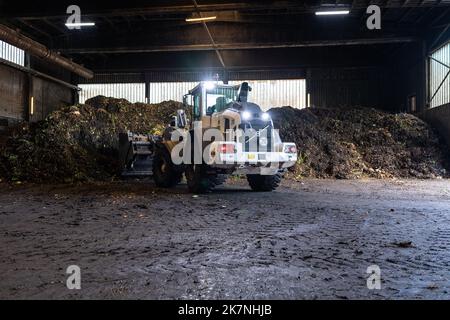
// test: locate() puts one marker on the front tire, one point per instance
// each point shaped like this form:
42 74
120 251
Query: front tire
264 183
164 171
201 181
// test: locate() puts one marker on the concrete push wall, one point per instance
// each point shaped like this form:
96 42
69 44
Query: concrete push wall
439 118
48 97
15 87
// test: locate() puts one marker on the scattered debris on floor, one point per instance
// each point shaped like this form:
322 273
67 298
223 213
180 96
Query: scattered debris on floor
280 245
80 143
404 244
361 142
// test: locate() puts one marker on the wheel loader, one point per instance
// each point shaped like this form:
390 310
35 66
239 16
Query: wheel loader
218 134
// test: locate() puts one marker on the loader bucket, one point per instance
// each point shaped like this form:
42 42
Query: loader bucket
136 154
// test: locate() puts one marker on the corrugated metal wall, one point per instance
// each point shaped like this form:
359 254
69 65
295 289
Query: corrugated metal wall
277 93
133 92
265 93
438 72
12 53
347 87
163 91
194 76
112 78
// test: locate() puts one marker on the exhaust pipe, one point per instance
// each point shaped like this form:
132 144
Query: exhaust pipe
17 39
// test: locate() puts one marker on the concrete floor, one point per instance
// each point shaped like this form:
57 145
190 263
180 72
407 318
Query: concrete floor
310 240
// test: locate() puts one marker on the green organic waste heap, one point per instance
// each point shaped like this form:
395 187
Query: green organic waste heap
361 142
79 143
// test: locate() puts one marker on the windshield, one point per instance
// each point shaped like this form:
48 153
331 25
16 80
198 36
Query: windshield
217 99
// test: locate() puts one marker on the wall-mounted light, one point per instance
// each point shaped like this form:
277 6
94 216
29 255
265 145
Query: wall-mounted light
31 106
332 12
80 24
201 19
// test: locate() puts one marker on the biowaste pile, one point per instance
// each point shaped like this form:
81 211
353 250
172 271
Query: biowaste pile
360 142
80 143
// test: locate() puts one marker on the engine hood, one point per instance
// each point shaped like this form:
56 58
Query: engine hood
247 106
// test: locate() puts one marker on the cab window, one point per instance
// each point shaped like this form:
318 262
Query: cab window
218 99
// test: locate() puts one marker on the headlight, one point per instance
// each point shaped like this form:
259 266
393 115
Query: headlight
265 116
246 115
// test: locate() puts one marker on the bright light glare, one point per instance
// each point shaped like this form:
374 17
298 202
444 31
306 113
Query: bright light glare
265 116
81 24
209 85
334 12
246 115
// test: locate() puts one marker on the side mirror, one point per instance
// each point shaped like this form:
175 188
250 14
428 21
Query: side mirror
187 101
181 120
243 92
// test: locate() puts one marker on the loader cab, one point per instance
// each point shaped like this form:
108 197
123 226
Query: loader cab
208 98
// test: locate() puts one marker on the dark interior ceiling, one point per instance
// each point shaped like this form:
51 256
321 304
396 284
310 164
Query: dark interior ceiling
138 35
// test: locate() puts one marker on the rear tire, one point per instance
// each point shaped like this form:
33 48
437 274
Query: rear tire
164 171
264 183
200 181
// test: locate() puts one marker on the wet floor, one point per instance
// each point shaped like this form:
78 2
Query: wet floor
309 240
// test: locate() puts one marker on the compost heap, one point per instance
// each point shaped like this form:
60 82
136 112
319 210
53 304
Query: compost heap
361 142
80 143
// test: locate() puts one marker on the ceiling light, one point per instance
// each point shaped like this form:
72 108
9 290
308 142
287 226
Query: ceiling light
80 24
201 19
332 12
